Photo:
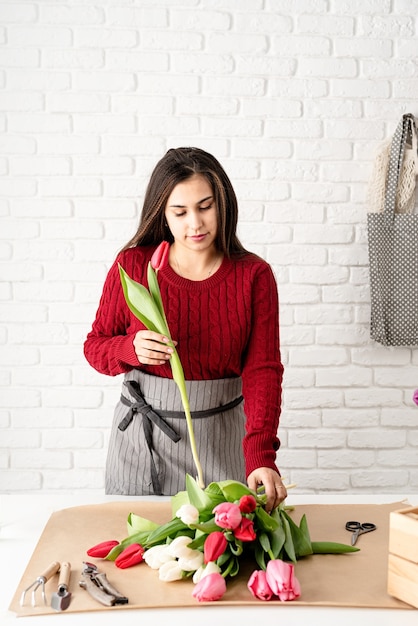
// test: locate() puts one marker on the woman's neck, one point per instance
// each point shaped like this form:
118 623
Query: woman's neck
195 266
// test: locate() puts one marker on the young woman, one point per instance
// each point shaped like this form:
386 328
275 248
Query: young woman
222 310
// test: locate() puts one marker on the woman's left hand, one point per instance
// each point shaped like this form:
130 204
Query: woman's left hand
274 488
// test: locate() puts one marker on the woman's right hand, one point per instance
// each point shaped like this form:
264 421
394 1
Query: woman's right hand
152 348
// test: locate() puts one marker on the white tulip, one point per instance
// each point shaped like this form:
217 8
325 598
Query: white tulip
193 562
188 514
205 570
157 555
170 571
178 547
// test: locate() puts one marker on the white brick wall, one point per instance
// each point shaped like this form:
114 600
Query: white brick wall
293 98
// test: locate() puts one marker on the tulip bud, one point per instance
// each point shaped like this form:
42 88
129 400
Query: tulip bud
247 504
209 588
157 555
188 514
101 550
227 515
282 581
245 531
215 545
205 570
178 547
132 555
170 571
259 586
160 257
191 563
415 396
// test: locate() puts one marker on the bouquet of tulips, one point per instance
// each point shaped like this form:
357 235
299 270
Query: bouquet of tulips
210 532
212 529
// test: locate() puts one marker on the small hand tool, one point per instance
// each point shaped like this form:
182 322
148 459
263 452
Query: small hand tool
40 582
358 529
98 586
60 600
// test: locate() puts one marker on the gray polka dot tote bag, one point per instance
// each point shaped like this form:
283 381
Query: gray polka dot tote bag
393 254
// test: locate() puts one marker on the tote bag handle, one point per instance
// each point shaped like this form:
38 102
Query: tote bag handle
405 128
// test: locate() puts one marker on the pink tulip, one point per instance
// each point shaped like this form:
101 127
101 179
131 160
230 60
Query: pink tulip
132 555
245 531
215 545
247 504
101 550
227 515
415 396
258 585
160 257
210 588
282 581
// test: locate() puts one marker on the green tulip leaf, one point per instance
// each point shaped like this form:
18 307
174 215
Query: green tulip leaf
300 535
233 490
155 290
265 521
197 496
136 524
206 527
178 500
264 542
236 547
329 547
171 529
141 303
288 543
260 556
277 539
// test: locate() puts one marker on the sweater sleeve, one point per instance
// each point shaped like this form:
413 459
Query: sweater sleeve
262 375
109 345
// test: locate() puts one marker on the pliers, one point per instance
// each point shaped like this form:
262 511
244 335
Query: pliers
96 583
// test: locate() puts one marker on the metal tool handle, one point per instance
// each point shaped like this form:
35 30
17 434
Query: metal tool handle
50 571
97 593
64 579
119 598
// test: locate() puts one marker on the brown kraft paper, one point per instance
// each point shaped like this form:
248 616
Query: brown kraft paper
348 580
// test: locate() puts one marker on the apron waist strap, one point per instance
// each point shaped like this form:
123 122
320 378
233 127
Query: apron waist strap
141 406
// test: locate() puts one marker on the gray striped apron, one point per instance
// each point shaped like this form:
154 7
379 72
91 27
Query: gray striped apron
149 450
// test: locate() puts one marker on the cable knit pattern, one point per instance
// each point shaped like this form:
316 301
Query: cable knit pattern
225 326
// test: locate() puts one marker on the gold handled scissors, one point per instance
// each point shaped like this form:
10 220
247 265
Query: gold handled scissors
358 529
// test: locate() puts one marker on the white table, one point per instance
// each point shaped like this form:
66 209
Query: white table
23 518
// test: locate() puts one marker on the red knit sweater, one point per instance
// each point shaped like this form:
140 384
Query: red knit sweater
225 326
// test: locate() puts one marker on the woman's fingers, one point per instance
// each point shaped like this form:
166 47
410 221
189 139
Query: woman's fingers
152 348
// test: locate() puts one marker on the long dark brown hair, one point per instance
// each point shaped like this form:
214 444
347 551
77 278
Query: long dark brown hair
176 166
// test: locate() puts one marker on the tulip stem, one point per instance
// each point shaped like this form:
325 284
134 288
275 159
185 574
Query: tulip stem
178 376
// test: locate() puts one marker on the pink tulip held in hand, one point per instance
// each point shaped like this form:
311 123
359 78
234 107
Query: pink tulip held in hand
160 257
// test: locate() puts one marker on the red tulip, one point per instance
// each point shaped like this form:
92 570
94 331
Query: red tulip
247 504
101 550
209 588
132 555
245 531
415 396
215 545
160 257
282 581
258 585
